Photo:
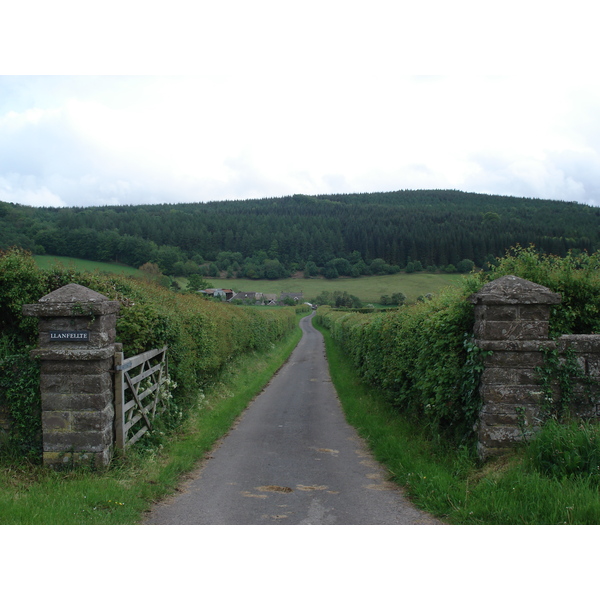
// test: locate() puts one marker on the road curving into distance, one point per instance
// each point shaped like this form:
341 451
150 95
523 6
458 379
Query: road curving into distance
291 459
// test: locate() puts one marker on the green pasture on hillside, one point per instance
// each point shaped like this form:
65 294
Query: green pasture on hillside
79 264
368 289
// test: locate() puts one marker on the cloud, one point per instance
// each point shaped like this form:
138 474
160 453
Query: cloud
320 98
559 175
27 190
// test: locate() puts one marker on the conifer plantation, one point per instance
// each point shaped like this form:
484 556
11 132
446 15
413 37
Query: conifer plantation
330 235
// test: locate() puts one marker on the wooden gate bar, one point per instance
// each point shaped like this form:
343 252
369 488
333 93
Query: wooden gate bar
129 413
119 402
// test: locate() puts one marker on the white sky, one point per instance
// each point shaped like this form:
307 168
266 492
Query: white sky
140 102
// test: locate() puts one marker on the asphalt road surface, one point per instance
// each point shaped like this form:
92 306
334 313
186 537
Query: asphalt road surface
291 459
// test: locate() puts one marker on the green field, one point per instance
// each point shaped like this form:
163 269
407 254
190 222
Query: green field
79 264
368 289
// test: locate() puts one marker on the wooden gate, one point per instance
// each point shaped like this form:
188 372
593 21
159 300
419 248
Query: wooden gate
138 400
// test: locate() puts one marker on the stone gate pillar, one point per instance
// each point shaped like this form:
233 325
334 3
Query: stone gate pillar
76 349
511 319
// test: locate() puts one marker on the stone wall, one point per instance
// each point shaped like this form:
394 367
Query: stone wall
511 325
586 389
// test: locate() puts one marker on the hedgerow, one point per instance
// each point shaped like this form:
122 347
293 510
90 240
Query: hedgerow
202 336
420 356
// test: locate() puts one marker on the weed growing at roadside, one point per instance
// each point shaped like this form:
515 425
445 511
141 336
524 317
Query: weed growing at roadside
570 450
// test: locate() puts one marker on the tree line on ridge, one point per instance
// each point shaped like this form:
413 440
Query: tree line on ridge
330 235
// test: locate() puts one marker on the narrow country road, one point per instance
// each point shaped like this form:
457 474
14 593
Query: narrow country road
291 459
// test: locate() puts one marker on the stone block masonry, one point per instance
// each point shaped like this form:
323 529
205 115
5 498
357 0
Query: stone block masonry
512 322
77 328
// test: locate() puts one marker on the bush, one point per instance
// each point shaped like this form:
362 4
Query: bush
20 401
21 282
576 277
465 266
338 299
398 298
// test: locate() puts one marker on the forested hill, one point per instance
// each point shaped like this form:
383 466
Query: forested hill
434 227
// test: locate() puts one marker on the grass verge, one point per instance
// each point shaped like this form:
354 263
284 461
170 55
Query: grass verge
448 482
121 495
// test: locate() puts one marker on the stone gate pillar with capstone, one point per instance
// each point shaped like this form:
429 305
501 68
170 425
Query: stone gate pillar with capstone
77 328
511 320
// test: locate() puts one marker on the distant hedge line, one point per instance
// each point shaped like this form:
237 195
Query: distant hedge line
202 336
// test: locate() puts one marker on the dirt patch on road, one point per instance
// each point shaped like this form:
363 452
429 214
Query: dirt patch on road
275 488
